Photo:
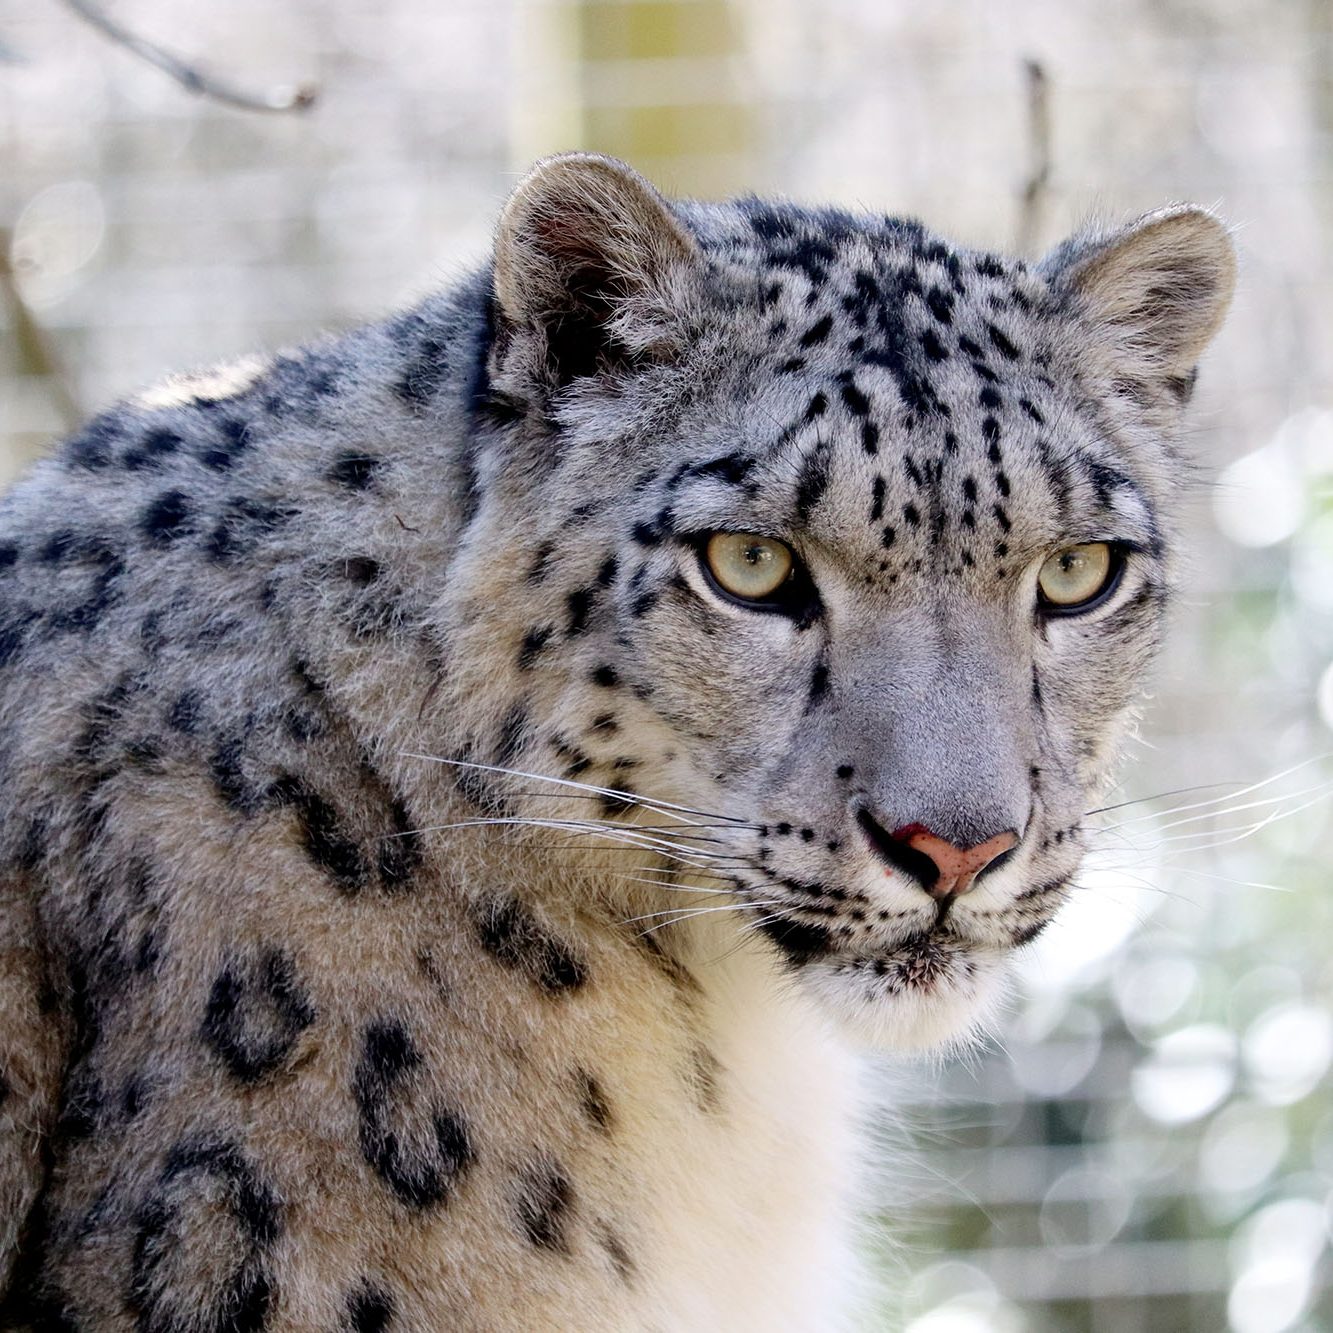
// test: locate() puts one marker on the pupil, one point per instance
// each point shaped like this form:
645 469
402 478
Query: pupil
754 555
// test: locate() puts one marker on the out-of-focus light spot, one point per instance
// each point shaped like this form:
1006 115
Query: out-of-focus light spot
1289 1228
1152 991
1324 696
1083 1210
1051 1063
1259 989
1287 1051
1188 1073
1308 436
954 1298
970 1314
55 236
1259 500
940 1283
1311 570
1269 1297
1241 1148
1275 1253
1103 912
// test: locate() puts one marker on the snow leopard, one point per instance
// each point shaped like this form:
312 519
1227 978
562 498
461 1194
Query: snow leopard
476 785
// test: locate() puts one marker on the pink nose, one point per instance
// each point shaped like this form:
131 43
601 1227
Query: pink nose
957 866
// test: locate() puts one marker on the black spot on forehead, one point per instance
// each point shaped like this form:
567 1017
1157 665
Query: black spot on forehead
812 482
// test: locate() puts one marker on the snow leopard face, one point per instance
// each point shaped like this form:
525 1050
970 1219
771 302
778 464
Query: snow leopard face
853 544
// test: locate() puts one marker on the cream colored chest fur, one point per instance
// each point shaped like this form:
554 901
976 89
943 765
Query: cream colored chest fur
758 1208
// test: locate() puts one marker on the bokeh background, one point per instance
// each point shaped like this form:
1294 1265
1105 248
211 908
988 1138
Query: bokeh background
1148 1145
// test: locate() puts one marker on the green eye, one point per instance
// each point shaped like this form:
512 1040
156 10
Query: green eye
1072 579
747 566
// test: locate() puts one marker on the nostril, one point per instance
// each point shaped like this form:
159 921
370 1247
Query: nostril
897 852
943 868
996 862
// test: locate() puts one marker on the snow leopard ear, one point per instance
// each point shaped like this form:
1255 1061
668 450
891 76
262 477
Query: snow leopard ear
592 264
1157 290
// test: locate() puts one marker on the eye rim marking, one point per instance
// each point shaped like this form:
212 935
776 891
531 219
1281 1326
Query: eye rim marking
1118 553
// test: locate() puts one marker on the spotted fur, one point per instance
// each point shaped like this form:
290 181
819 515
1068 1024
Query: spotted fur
371 733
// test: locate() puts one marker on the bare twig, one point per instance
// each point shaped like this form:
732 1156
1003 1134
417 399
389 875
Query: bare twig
191 76
36 354
1033 203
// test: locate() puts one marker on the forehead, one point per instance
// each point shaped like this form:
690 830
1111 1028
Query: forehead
901 393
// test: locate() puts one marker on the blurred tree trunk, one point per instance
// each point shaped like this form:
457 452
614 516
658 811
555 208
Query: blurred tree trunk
650 81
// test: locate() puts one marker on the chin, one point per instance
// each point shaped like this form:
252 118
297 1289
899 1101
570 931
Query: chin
924 996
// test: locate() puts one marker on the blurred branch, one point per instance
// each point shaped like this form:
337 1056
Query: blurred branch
36 354
1033 205
191 76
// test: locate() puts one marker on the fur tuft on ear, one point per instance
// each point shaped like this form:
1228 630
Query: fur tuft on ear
589 259
1158 289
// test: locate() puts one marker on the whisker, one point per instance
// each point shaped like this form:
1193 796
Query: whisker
627 798
648 832
583 847
1130 878
1177 868
1224 812
1157 796
675 888
672 875
1244 791
647 801
695 856
1225 837
685 913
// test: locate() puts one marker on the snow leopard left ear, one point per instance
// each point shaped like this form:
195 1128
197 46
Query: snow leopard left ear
592 265
1157 291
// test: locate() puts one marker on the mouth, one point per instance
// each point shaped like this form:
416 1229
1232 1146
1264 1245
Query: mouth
913 943
916 959
921 963
924 960
931 989
929 976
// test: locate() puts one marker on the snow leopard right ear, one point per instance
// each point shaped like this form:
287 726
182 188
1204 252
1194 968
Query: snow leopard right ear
592 265
1154 292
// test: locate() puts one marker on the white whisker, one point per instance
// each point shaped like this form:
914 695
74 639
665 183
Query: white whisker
1244 791
1320 789
1225 837
666 807
675 888
684 913
687 855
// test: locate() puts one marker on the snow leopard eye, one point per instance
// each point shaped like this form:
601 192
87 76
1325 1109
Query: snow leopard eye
1079 578
747 566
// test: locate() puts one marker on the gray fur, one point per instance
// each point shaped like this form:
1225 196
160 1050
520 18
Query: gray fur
255 966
